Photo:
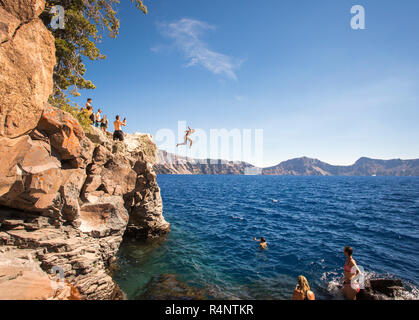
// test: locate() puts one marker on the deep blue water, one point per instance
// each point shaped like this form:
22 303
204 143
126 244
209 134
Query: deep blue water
215 218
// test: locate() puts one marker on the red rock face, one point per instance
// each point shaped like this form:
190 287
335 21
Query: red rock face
24 10
27 59
66 136
28 284
29 176
75 216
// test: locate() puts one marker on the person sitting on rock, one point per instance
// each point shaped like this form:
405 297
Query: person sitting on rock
104 123
262 243
118 134
302 290
350 270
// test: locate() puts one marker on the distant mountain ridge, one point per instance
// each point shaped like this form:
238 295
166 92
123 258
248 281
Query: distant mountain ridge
169 163
362 167
172 164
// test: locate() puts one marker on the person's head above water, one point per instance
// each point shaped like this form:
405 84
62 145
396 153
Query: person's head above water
262 239
348 251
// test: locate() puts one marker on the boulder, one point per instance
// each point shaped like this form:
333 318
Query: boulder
380 289
142 146
168 287
107 216
386 286
66 136
118 180
101 155
146 219
29 177
70 192
98 137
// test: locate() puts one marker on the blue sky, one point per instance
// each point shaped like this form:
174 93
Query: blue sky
294 68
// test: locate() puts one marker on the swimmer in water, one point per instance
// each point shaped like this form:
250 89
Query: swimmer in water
187 138
262 243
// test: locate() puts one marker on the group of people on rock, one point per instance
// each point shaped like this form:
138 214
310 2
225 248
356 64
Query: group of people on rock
102 122
350 270
95 118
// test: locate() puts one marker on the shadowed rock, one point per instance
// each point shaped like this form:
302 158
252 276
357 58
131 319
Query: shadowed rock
168 287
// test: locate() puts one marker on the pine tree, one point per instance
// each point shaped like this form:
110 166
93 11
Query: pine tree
85 22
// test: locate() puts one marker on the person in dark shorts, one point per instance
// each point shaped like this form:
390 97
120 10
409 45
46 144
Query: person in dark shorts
98 118
118 134
104 123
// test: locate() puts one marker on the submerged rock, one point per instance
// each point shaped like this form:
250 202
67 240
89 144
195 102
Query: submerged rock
168 287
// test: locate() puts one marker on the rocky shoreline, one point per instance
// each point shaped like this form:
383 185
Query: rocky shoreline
67 198
169 163
71 218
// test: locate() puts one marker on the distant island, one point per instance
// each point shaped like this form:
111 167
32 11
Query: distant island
169 163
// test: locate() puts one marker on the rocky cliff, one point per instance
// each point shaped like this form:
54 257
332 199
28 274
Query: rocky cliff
363 167
67 198
169 163
172 164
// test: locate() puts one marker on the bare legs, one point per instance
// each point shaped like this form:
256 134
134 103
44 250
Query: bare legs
186 142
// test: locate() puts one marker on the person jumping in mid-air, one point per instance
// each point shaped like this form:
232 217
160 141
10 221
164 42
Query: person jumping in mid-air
188 133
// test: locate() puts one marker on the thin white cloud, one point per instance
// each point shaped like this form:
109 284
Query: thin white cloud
186 35
239 98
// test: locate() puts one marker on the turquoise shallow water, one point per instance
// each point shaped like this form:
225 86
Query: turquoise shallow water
306 220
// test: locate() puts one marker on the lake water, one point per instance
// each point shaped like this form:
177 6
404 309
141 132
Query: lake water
306 221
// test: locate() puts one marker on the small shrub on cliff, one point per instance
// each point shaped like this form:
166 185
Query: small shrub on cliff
148 147
82 117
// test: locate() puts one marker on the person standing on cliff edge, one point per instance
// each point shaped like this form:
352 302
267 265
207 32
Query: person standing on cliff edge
89 110
118 134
